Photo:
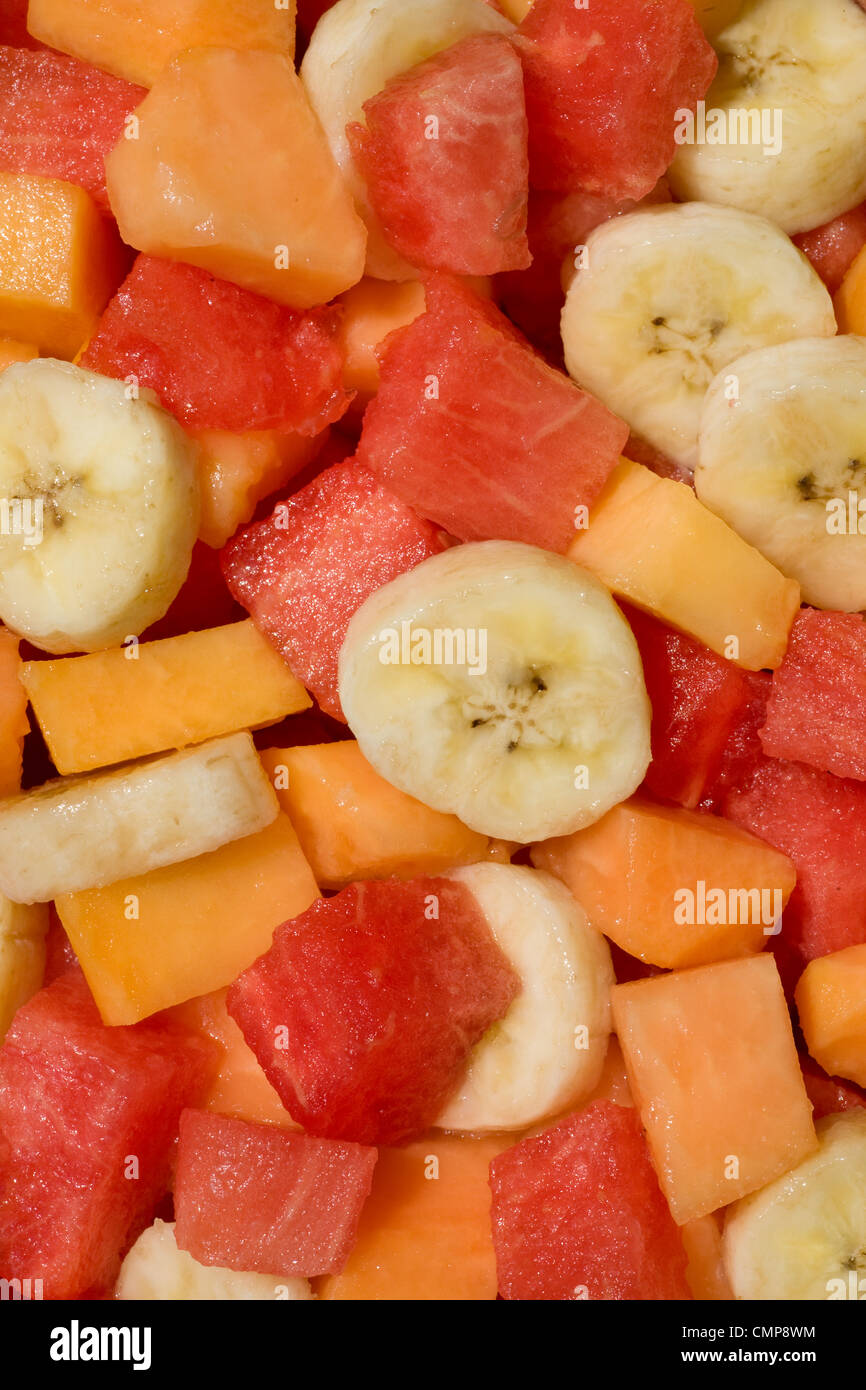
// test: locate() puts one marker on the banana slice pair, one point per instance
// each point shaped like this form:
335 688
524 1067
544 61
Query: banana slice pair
156 1270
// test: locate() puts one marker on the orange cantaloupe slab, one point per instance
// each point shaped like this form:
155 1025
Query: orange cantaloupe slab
231 171
371 310
425 1229
13 351
713 1068
128 702
352 824
149 942
673 887
651 541
136 40
705 1272
831 1002
60 263
14 724
850 299
237 470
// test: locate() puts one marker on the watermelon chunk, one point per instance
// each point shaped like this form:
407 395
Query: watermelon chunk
218 356
578 1213
829 1094
88 1119
366 1007
743 752
302 572
477 432
13 24
445 162
833 247
256 1197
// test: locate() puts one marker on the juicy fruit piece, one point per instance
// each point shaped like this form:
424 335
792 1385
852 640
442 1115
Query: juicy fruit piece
742 753
534 726
705 1272
644 530
218 356
14 724
370 311
410 994
77 1100
713 1068
202 601
23 932
828 1094
831 1003
156 1269
833 248
13 351
302 572
84 832
850 299
352 824
237 471
264 205
474 430
257 1198
160 938
125 703
577 1213
673 887
605 86
443 155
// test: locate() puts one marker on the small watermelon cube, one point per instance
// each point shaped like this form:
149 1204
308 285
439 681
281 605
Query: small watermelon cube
13 24
833 247
303 571
475 431
578 1213
365 1009
256 1197
743 752
218 356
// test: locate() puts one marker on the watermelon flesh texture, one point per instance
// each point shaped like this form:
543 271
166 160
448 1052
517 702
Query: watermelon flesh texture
218 356
743 751
302 572
475 431
13 24
256 1197
578 1213
365 1009
78 1102
833 247
603 86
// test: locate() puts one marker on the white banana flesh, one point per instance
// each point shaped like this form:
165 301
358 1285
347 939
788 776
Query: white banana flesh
156 1270
23 929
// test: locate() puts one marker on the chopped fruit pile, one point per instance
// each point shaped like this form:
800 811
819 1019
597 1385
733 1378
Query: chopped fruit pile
433 650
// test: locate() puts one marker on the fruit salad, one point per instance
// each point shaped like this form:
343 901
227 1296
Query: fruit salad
432 650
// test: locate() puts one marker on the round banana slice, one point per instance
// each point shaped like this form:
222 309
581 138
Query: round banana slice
804 1236
782 130
783 461
501 683
99 507
668 297
355 49
155 1269
548 1052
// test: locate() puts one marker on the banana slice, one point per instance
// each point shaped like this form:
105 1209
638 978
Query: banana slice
356 48
785 119
99 507
668 297
23 929
783 461
155 1269
804 1236
501 683
547 1053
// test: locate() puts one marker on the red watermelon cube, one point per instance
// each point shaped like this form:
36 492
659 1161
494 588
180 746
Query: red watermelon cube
743 752
578 1214
302 572
365 1009
13 24
604 83
257 1197
475 431
829 1094
88 1120
833 247
218 356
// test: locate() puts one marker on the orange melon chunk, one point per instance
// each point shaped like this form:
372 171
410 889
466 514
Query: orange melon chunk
371 310
13 351
149 942
237 470
108 707
713 1068
14 724
705 1272
831 1002
850 300
673 887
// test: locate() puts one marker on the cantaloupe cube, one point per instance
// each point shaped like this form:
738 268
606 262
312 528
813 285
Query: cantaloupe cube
651 541
13 351
705 1272
673 887
108 707
371 310
60 262
352 824
149 942
231 171
831 1002
713 1068
14 724
237 470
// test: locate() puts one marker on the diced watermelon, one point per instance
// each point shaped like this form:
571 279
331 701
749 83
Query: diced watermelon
366 1007
444 158
203 600
743 752
256 1197
59 117
218 356
832 248
473 429
88 1119
828 1094
13 24
578 1213
604 82
302 572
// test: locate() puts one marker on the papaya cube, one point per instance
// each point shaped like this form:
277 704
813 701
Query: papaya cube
831 1002
237 471
14 724
713 1068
